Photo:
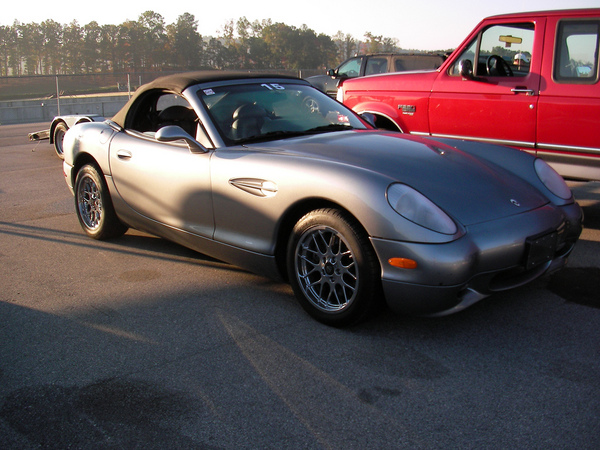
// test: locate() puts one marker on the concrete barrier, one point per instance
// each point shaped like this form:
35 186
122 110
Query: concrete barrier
44 110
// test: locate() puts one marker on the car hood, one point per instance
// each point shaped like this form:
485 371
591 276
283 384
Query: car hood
470 189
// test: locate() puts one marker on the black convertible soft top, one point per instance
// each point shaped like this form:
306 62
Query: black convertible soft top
178 83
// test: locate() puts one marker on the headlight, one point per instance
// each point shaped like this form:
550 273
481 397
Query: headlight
417 208
552 180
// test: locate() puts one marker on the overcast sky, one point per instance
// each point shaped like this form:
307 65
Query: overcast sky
417 24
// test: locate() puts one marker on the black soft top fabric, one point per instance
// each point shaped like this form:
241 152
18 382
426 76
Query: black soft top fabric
178 83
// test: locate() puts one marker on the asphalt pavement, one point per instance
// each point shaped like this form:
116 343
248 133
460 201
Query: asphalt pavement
140 343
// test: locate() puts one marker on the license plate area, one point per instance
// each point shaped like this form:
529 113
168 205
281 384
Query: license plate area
540 249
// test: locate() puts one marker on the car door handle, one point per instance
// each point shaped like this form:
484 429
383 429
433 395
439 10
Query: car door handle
523 90
124 154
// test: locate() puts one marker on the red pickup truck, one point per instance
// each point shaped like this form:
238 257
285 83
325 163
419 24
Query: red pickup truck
527 80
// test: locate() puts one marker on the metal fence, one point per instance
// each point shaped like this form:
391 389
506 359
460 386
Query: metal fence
51 86
40 98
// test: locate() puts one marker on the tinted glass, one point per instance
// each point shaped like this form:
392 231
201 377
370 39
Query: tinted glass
576 56
350 68
266 111
376 65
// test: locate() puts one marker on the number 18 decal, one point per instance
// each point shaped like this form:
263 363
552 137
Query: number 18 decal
273 86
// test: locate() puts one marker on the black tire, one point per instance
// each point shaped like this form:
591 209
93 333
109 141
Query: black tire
59 135
333 268
94 206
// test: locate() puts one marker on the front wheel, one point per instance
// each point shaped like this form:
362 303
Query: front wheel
94 206
333 268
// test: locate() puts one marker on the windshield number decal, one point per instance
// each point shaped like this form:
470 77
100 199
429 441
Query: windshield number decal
273 86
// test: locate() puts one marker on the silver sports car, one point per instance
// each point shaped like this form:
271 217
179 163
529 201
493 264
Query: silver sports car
268 173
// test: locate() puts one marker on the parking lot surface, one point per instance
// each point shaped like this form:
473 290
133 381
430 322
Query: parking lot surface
140 343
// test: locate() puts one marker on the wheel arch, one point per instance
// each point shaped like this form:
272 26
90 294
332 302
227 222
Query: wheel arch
292 216
53 126
385 117
81 160
65 122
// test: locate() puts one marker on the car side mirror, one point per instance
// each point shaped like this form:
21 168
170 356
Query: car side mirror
465 68
331 72
172 133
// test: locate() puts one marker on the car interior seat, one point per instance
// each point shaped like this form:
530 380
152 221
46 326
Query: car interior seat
179 115
248 120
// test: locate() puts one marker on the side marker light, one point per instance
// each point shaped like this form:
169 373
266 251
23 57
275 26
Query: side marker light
403 263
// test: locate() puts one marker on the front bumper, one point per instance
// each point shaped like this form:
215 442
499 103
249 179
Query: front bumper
490 257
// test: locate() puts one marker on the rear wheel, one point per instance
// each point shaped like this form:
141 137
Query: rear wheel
332 268
94 206
59 135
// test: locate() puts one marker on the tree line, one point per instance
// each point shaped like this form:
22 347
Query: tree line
149 44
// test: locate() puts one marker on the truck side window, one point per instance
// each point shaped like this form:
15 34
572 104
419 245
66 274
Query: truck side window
376 65
576 55
468 54
504 50
350 69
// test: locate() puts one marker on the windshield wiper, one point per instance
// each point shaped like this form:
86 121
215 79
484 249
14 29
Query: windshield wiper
287 134
270 135
330 127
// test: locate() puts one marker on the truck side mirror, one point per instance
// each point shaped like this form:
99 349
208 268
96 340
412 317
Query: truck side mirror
465 67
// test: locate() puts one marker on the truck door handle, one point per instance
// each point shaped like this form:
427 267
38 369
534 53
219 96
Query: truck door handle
523 90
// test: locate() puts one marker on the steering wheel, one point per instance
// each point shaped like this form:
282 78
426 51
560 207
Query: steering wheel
498 67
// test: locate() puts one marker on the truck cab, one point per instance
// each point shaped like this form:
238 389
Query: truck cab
527 80
371 64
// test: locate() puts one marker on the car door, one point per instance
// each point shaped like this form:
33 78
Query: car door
499 103
163 182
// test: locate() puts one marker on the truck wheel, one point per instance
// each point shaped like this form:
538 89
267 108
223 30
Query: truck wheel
59 135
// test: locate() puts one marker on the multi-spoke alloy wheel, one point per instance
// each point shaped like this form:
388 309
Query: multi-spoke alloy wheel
94 206
332 267
311 104
89 202
326 269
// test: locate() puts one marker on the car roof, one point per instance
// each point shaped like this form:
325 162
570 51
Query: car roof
179 82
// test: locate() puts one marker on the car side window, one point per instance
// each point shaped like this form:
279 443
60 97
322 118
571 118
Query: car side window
376 65
501 50
175 110
576 53
351 68
159 109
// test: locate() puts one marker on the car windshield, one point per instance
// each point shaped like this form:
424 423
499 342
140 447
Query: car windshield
255 112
